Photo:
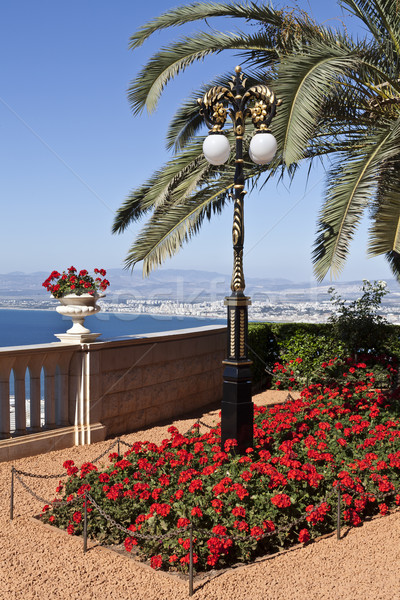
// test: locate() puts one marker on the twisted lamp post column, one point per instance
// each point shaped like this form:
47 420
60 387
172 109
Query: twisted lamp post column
259 103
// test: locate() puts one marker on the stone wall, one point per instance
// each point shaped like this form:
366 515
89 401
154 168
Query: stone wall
140 382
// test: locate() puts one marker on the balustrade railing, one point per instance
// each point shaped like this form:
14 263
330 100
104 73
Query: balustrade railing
43 404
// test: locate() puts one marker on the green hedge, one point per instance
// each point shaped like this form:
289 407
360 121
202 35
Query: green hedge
314 343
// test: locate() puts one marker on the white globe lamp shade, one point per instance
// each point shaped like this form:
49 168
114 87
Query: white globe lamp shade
216 149
263 147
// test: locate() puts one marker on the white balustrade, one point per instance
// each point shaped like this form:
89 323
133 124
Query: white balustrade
52 390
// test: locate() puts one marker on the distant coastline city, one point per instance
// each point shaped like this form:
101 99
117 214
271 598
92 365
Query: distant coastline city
199 294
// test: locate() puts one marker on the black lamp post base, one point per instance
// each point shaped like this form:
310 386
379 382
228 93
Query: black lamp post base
237 409
237 414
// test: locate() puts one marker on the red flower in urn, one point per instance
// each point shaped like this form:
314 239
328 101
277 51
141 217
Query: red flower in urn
78 283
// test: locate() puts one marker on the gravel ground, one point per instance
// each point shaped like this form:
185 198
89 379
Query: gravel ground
39 562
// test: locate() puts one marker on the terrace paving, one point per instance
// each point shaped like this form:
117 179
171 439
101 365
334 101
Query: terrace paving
38 562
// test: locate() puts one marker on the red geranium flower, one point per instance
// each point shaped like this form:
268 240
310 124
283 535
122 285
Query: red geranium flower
129 542
268 526
212 559
77 517
219 529
239 511
383 509
256 532
183 522
195 485
241 525
156 561
281 500
70 466
304 536
217 505
68 282
70 529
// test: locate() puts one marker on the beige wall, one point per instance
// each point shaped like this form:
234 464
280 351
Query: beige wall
140 382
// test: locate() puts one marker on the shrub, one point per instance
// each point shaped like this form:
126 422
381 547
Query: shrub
272 342
290 375
313 350
357 324
354 330
263 350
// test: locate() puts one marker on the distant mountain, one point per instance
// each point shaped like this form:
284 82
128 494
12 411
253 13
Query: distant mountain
18 284
189 286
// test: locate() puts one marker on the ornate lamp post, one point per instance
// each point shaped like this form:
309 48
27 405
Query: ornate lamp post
258 103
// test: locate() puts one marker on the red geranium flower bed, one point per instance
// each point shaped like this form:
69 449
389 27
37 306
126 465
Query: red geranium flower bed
280 493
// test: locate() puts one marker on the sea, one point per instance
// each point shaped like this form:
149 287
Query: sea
24 327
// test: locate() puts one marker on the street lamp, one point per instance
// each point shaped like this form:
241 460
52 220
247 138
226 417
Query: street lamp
259 103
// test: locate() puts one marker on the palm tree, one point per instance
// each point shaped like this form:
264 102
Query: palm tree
341 105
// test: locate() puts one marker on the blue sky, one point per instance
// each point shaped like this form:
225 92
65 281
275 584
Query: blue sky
70 149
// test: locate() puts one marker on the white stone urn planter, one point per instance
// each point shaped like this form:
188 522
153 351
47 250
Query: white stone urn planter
78 308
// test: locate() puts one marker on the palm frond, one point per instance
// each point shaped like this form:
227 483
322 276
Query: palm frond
393 258
381 17
199 11
180 196
146 88
352 185
341 98
384 233
174 224
157 189
303 83
377 77
184 125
